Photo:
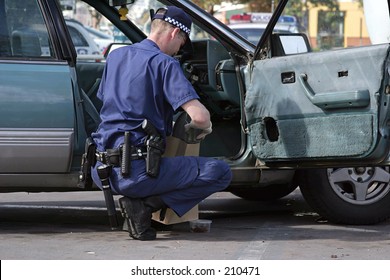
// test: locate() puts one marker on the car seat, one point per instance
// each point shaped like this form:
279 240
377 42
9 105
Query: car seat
25 43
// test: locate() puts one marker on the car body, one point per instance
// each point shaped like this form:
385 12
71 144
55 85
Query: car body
305 116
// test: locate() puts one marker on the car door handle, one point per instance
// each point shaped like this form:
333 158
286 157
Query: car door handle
335 100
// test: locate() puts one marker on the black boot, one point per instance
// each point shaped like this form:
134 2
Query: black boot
155 203
138 217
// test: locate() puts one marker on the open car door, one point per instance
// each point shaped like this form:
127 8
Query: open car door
328 106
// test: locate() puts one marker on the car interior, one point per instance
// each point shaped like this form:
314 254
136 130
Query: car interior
211 70
212 74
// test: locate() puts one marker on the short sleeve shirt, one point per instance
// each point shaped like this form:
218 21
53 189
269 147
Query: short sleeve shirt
139 82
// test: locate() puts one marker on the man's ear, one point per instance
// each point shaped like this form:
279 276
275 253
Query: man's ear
175 32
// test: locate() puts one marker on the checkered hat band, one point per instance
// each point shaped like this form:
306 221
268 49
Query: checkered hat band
178 24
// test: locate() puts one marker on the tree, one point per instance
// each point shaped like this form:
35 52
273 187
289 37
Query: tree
207 5
296 8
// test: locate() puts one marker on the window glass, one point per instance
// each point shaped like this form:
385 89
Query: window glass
90 31
339 24
77 38
139 13
23 31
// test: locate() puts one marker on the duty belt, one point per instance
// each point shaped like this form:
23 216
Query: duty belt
113 156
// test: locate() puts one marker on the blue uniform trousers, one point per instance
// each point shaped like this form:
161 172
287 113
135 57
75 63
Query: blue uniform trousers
183 182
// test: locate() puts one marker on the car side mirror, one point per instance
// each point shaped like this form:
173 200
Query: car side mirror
114 46
283 44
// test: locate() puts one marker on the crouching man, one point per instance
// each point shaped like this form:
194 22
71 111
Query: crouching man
144 82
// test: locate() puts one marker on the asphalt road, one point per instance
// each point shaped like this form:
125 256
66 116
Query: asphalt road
63 226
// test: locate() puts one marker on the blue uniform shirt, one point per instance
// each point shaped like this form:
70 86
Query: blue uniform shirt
139 82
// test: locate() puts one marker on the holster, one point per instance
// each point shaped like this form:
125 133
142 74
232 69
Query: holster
88 160
154 151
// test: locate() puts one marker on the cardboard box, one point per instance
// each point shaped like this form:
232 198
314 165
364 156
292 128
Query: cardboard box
177 147
172 218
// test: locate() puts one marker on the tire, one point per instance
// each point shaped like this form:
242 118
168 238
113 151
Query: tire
269 193
355 196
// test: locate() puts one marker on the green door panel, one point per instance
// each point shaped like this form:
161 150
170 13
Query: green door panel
317 106
35 95
36 118
309 138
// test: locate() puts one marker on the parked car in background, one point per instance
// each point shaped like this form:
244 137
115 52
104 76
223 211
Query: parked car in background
283 116
252 25
253 31
285 22
83 42
101 39
82 38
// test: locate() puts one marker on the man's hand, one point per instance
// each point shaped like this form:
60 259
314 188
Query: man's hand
195 134
200 124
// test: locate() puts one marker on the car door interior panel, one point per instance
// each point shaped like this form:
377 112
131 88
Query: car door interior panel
316 105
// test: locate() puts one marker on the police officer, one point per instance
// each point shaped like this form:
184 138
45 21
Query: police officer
143 81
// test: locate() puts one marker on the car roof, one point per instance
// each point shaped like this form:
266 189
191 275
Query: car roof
98 33
248 25
261 26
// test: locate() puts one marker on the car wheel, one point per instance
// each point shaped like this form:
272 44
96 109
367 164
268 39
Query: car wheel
356 195
268 193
